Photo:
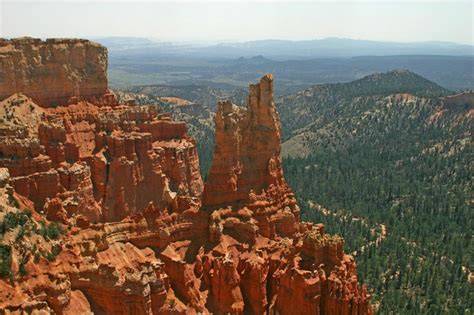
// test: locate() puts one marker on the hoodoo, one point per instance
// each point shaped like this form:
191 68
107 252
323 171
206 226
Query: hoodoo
247 154
106 210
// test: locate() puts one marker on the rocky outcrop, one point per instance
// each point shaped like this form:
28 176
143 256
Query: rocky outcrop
265 259
464 100
52 71
92 273
105 163
141 233
453 111
246 171
247 154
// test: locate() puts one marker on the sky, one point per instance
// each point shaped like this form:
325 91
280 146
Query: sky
184 20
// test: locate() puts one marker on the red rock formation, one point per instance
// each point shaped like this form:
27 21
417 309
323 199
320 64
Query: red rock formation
464 99
247 155
52 71
105 163
124 183
252 204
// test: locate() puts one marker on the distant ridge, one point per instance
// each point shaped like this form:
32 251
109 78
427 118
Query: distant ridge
282 49
393 82
303 108
342 47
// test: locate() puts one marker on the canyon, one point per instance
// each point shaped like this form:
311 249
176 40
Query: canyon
140 231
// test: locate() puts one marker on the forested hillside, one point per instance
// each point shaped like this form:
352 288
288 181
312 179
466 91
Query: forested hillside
389 167
200 94
306 107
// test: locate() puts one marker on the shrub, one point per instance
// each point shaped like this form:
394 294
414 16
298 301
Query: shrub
5 260
13 202
36 257
53 231
20 234
50 231
14 219
22 269
56 250
52 254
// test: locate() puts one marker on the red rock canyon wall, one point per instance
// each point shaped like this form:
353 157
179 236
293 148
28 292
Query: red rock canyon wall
52 71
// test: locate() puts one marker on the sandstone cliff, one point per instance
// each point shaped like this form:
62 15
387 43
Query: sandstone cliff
52 71
138 232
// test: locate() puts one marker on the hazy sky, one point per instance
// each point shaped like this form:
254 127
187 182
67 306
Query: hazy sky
238 20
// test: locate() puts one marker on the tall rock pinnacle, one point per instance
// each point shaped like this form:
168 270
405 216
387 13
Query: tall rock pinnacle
247 153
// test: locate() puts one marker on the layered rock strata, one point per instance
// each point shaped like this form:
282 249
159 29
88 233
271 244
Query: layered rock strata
104 163
141 233
247 154
52 71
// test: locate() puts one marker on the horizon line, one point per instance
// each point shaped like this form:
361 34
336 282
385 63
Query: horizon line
240 41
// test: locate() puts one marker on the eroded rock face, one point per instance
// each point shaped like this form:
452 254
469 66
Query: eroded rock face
247 155
265 259
464 99
52 71
141 233
103 162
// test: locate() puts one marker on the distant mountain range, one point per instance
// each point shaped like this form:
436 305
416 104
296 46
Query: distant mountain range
296 64
453 72
284 49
